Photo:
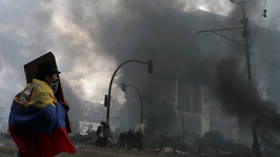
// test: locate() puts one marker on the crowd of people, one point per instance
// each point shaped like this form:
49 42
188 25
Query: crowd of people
131 139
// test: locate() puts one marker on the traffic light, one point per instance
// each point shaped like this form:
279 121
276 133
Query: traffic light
106 101
150 67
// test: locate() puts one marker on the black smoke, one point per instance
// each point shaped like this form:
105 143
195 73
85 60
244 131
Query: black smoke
239 96
162 32
158 30
242 98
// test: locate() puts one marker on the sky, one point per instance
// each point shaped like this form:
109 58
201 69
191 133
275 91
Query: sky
70 29
31 28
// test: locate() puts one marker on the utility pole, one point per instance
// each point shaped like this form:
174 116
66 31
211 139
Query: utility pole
245 35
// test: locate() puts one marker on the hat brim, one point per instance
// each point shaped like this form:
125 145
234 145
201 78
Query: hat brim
47 72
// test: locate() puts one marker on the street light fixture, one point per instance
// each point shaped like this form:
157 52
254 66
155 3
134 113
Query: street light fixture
124 86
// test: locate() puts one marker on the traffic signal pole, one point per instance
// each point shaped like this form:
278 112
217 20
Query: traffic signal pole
107 101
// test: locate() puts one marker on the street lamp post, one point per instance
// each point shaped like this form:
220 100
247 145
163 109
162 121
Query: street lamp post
107 100
123 88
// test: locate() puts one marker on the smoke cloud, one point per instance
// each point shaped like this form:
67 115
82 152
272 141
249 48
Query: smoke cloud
165 34
91 38
241 97
156 30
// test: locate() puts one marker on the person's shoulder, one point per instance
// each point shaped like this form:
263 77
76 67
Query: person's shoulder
41 94
41 86
34 92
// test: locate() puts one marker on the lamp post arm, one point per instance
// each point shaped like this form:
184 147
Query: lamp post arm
115 72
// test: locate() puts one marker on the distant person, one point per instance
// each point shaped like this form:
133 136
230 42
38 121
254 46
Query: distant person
107 134
37 121
139 140
130 139
101 141
123 140
103 134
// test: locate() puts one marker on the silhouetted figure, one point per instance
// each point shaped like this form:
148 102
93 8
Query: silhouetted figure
130 139
101 139
123 140
107 133
139 140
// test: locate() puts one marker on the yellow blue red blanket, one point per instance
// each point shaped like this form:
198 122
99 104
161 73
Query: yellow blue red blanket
37 122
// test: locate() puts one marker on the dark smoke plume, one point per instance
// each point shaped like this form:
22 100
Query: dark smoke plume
238 95
158 30
240 98
162 32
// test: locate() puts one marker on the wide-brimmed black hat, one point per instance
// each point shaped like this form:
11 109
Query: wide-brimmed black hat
47 68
